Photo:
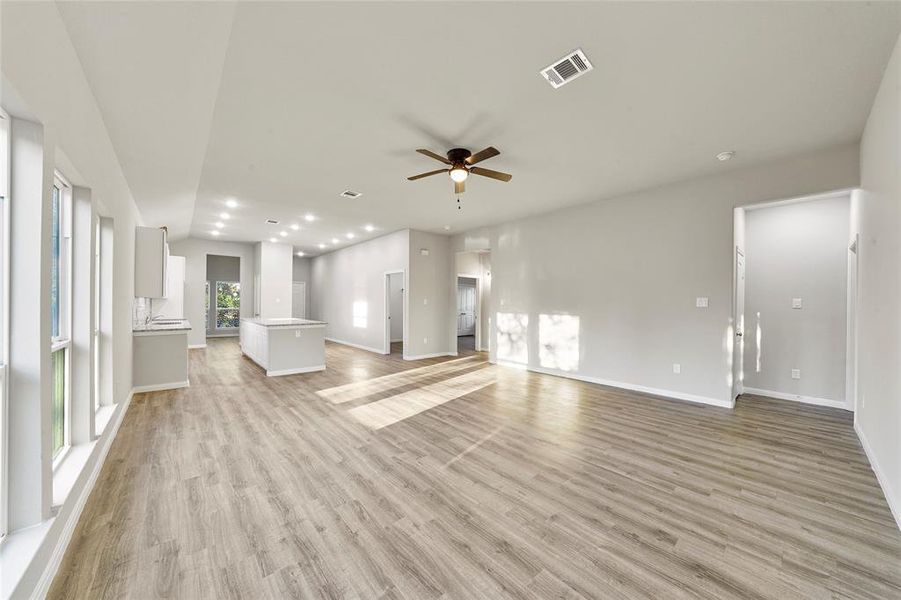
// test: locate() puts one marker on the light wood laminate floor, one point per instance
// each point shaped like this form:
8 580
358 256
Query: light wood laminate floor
380 478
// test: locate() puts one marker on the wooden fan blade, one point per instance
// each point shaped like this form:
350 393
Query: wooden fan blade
459 187
492 174
429 174
482 155
431 154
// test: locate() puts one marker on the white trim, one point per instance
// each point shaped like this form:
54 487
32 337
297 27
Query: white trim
432 355
196 346
894 502
807 198
351 344
43 584
799 398
631 386
138 389
295 371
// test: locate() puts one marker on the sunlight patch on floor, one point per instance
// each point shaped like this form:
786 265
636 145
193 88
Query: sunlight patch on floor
388 411
360 389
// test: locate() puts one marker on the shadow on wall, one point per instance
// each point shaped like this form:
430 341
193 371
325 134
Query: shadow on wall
558 340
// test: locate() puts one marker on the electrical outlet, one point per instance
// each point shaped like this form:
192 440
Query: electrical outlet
677 368
701 302
425 301
796 373
297 333
425 340
796 303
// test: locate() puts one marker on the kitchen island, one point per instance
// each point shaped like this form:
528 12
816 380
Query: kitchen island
160 355
284 346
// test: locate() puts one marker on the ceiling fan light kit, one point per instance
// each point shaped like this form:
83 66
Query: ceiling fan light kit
461 163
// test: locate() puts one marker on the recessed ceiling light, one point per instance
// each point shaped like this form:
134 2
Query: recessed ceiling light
231 203
724 156
369 228
220 224
273 240
295 226
309 217
283 233
224 216
300 254
322 245
447 228
214 232
335 240
350 235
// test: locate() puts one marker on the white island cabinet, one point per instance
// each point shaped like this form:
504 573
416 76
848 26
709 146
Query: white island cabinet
284 346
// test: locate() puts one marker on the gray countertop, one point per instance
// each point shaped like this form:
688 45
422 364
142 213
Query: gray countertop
166 327
283 323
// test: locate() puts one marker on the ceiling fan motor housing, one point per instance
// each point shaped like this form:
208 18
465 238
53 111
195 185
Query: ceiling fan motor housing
458 155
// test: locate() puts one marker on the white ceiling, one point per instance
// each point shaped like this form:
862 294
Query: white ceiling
282 106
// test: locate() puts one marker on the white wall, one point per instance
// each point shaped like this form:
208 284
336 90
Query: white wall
878 212
195 251
797 250
356 275
616 280
43 82
432 296
396 300
276 268
303 272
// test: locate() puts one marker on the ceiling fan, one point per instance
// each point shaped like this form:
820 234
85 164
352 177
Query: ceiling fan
461 161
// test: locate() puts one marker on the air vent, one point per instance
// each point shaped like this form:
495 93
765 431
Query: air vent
272 221
568 68
350 194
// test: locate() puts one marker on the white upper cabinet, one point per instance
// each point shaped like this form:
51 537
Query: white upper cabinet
151 258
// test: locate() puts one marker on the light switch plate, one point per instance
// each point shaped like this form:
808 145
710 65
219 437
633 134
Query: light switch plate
701 302
677 368
424 251
796 303
796 373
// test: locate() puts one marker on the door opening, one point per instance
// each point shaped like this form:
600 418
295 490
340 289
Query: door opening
394 313
299 300
468 334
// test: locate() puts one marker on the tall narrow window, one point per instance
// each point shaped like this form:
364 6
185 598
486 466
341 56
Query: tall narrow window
60 305
4 310
228 304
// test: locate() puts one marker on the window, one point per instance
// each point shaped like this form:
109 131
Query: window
4 308
60 311
228 304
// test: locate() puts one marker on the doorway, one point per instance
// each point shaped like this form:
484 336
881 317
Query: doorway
468 334
395 328
795 301
299 300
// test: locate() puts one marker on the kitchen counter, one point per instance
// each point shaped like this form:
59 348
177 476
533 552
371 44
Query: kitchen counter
285 323
153 328
160 355
284 346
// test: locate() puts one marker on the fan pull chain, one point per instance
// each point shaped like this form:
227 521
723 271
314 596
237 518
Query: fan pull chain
458 203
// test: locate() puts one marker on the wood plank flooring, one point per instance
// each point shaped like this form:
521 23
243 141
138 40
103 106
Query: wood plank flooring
380 478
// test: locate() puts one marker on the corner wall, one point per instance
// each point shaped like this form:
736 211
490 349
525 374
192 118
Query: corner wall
606 291
878 215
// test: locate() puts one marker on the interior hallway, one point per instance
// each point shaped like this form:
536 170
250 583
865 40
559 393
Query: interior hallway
455 478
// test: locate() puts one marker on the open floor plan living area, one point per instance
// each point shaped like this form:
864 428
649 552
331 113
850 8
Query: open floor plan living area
450 300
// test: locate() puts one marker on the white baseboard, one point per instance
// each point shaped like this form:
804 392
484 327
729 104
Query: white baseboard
352 345
295 371
894 502
635 387
196 346
798 398
160 386
433 355
59 551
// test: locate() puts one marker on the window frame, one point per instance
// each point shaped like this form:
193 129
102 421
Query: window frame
63 340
